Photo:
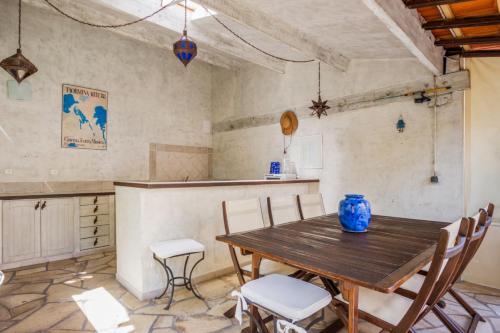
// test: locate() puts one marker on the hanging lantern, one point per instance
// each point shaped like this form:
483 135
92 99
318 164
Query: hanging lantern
185 49
319 107
17 65
401 125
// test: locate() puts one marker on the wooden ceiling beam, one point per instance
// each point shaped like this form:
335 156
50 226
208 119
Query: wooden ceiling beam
468 41
474 54
245 14
412 4
477 21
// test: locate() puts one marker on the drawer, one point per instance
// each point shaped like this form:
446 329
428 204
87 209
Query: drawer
93 220
101 230
94 242
93 210
97 200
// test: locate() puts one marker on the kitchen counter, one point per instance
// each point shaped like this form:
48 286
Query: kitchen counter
148 212
209 183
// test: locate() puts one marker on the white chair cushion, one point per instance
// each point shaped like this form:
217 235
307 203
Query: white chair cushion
414 283
269 267
175 247
291 298
391 308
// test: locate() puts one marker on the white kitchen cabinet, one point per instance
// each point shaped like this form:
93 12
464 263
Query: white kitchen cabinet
57 226
45 229
21 230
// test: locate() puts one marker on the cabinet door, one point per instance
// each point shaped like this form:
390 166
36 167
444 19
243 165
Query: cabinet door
57 225
21 230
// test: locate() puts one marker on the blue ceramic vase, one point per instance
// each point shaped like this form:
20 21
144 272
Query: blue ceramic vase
355 213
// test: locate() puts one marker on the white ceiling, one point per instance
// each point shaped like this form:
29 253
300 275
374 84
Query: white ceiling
333 31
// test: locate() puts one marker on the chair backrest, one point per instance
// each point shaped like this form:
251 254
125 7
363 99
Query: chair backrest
242 215
311 205
239 216
283 209
489 209
449 251
480 225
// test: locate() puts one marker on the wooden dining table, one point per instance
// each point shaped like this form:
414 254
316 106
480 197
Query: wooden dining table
383 258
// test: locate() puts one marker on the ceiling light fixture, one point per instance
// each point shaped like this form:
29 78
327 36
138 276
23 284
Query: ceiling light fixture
17 65
185 49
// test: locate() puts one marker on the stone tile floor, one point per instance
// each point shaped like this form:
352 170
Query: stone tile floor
40 299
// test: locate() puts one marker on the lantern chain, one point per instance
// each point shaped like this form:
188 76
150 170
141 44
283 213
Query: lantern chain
319 78
250 44
185 15
112 26
19 27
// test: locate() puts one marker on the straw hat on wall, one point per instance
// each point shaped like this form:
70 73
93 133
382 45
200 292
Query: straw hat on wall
289 123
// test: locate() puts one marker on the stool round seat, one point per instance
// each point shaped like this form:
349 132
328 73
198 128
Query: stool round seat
176 247
286 296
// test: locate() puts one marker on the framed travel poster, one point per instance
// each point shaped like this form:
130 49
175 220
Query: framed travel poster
84 118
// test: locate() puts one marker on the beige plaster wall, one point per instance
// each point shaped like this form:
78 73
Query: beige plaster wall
362 151
483 163
152 98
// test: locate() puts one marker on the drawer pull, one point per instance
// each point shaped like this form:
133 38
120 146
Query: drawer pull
95 230
95 242
96 209
95 220
95 200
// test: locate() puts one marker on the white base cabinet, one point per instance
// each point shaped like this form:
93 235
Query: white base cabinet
57 227
21 230
40 230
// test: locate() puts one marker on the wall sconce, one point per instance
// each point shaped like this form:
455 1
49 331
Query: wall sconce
401 125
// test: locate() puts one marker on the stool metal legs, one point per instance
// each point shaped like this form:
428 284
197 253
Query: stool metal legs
186 281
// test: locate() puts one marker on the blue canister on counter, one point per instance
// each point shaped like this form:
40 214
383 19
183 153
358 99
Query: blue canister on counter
275 168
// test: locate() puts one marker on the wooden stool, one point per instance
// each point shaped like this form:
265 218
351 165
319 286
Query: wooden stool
177 248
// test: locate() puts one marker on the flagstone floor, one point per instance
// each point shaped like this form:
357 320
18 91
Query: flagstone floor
41 298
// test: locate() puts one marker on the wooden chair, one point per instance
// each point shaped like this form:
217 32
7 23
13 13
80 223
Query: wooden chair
246 215
310 205
283 209
396 313
482 221
240 216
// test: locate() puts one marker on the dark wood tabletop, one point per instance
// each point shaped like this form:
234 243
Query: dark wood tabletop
382 259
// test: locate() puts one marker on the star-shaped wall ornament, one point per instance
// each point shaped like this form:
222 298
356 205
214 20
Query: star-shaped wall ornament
319 107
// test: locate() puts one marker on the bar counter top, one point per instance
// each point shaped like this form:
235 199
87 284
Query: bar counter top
210 183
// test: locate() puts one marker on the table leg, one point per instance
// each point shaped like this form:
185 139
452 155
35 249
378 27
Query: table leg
256 259
351 293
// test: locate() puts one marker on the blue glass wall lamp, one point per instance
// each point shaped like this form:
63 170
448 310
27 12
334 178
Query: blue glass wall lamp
401 125
185 49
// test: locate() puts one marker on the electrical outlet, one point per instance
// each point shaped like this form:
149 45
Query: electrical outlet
8 171
54 172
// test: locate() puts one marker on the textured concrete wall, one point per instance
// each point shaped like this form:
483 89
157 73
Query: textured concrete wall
362 151
152 98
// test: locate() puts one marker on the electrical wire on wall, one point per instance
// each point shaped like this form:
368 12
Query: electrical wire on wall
434 177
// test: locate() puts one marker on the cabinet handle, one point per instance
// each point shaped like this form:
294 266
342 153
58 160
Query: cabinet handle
44 205
95 230
95 242
95 220
95 200
96 209
37 205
